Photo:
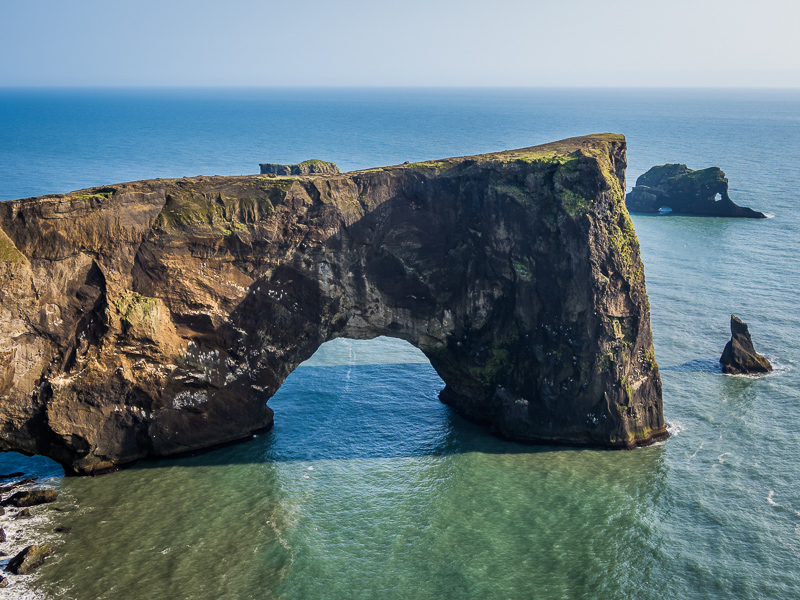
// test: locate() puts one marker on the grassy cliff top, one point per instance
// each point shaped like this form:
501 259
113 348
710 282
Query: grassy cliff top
590 144
595 144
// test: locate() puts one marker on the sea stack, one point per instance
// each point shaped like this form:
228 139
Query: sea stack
685 191
739 356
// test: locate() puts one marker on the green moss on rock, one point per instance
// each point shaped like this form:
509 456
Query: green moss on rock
30 558
137 310
9 252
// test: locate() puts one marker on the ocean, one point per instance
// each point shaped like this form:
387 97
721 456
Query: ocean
368 487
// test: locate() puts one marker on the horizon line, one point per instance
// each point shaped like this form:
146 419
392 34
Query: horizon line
395 87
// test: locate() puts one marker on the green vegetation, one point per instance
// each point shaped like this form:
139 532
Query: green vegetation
592 145
608 360
675 176
313 162
100 193
514 192
429 166
622 237
574 204
622 330
522 268
135 309
650 358
8 251
627 388
104 195
214 212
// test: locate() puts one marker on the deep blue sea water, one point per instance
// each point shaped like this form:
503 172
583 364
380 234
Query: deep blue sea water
368 486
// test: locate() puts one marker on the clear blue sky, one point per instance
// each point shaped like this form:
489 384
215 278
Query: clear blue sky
731 43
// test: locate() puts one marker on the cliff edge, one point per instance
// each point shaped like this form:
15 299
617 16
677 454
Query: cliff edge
157 317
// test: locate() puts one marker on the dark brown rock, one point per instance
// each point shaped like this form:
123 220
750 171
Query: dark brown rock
3 582
307 167
739 356
31 498
2 535
29 559
684 191
156 318
25 512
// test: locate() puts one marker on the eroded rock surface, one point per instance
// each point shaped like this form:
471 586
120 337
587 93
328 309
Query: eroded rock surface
703 192
158 317
28 559
31 498
307 167
739 356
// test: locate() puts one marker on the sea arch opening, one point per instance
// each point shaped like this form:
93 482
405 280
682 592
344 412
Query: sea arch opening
361 399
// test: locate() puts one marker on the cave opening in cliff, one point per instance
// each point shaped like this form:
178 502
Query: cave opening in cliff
364 399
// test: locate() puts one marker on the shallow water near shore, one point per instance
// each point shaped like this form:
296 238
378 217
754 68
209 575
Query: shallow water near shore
368 486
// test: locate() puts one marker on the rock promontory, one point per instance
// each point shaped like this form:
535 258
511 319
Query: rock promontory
307 167
682 190
157 317
739 356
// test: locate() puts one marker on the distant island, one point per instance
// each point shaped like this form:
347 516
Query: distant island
677 188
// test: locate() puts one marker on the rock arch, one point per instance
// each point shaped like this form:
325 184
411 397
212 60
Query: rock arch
157 317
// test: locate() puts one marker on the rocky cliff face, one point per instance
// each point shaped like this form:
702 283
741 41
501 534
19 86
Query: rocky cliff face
158 317
685 191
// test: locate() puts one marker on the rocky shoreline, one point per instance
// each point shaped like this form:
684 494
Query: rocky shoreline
28 535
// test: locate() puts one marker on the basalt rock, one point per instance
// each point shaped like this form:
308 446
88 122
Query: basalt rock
31 498
685 191
307 167
739 356
28 559
155 318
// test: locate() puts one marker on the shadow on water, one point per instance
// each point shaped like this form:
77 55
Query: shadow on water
696 365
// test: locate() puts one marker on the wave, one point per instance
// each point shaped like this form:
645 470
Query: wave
772 502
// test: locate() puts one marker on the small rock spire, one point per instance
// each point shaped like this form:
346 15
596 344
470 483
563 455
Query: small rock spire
739 356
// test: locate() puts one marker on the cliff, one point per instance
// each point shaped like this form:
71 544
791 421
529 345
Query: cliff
686 191
158 317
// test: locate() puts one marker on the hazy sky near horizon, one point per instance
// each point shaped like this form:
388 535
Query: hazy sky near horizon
714 43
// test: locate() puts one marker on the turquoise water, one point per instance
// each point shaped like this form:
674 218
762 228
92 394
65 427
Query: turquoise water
368 486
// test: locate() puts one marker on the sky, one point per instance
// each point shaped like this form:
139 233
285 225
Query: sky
516 43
